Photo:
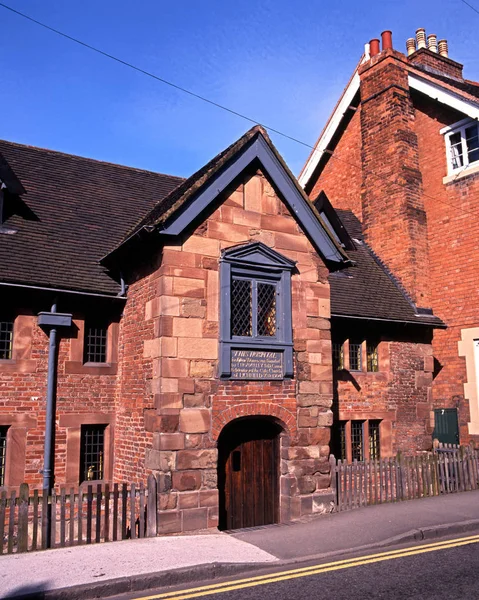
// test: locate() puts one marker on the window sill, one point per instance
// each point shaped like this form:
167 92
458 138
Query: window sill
79 368
471 170
21 365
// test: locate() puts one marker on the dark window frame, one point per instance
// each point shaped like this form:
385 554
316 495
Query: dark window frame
7 325
95 345
92 438
355 345
372 356
3 453
337 350
257 263
359 439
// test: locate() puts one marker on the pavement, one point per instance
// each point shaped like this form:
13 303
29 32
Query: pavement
102 570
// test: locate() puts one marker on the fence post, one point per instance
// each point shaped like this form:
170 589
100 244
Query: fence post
334 486
151 527
23 518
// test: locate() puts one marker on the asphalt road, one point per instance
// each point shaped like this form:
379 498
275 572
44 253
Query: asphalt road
420 572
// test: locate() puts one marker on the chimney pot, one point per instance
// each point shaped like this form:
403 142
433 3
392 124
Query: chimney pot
421 38
374 47
432 42
411 46
387 39
443 49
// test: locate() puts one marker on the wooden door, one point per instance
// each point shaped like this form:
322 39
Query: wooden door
248 477
446 426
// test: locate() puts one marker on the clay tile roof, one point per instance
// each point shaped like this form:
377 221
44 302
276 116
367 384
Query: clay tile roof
368 289
74 211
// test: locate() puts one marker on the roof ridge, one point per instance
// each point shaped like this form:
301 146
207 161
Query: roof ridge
88 158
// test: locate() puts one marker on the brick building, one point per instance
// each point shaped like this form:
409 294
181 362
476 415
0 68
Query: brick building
183 328
401 153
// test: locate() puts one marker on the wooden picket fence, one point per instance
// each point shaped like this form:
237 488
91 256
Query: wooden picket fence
448 469
90 515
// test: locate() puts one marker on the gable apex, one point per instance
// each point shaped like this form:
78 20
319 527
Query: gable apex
258 254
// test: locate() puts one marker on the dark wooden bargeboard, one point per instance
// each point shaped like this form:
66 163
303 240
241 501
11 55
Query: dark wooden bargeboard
256 364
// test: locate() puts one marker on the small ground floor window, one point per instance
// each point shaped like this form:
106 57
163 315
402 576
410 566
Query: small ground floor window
357 440
92 452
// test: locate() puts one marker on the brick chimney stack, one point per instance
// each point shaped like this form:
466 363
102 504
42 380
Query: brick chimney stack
393 214
431 55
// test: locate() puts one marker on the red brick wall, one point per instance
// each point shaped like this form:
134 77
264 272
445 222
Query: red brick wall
436 63
453 238
82 397
397 394
393 212
342 175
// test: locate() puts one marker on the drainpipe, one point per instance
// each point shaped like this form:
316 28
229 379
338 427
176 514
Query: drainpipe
53 321
50 409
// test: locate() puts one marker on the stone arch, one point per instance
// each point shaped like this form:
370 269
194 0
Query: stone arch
286 418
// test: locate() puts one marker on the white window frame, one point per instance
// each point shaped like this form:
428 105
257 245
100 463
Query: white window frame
448 132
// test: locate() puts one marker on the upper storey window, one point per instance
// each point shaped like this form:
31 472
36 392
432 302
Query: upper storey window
95 348
256 321
6 338
462 145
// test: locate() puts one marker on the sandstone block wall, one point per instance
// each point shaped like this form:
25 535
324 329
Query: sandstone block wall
188 405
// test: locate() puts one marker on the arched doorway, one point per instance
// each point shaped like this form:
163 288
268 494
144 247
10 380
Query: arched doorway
248 473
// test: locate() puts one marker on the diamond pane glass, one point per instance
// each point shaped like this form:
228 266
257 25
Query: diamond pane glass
266 309
6 340
95 343
3 453
92 452
241 308
374 448
357 448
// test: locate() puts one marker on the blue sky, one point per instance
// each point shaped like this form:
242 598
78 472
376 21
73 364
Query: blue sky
283 63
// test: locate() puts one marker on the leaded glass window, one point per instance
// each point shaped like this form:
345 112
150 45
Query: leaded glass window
3 453
253 308
374 445
355 356
92 452
6 339
357 440
338 356
95 342
372 357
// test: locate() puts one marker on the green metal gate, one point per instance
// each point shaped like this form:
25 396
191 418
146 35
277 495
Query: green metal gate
446 426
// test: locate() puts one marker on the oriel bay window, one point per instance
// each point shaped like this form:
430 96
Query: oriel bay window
256 322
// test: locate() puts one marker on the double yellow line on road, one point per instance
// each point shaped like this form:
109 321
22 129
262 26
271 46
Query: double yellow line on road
229 586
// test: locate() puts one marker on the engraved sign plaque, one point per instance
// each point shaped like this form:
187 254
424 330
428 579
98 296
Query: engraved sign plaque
256 364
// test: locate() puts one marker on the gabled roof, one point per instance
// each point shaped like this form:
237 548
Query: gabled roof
175 213
74 211
462 96
368 290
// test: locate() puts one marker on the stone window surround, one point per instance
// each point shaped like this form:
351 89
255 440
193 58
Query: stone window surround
386 419
72 423
76 365
469 348
18 426
21 361
364 356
